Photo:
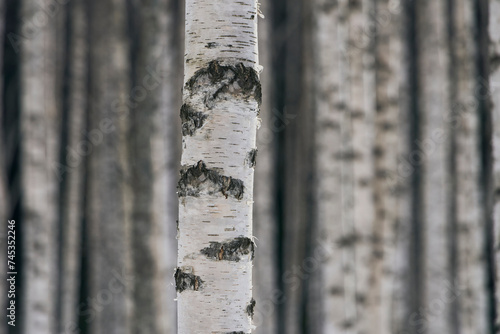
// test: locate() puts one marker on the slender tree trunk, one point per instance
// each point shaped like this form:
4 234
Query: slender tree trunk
108 176
330 313
469 231
433 146
219 119
387 142
296 122
73 190
265 226
152 152
360 115
40 117
494 34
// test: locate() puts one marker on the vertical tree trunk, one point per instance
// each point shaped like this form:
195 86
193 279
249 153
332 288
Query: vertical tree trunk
265 226
494 34
431 154
109 194
152 155
40 117
360 127
219 118
329 288
296 122
389 139
471 283
74 164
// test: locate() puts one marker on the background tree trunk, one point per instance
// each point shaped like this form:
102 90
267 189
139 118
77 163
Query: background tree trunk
494 54
265 271
40 124
72 177
109 177
153 157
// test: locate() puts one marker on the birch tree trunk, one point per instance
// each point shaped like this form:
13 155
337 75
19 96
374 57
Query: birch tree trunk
431 153
153 160
471 263
494 34
108 176
328 42
40 120
74 164
219 119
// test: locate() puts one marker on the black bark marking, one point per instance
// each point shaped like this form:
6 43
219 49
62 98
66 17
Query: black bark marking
211 45
198 179
187 281
191 120
251 158
250 308
240 332
236 80
231 250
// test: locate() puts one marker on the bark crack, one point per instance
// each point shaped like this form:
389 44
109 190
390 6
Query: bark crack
191 120
231 250
197 180
217 79
187 281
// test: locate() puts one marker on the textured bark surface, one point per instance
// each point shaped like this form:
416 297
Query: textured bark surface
40 117
216 185
108 175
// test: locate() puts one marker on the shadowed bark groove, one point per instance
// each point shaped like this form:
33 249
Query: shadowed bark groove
231 250
217 79
199 180
187 281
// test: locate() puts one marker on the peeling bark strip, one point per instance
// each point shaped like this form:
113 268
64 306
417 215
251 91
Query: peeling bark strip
235 80
187 281
251 158
230 251
191 120
198 180
250 308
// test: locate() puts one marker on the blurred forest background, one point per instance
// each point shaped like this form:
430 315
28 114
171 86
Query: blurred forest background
377 201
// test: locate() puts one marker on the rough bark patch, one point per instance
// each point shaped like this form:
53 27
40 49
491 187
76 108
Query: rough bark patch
231 250
250 308
187 281
198 179
191 120
235 80
251 158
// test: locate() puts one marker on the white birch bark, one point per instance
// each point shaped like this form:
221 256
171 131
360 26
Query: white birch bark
494 35
433 146
361 111
387 140
265 267
40 150
72 197
334 225
221 102
471 285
